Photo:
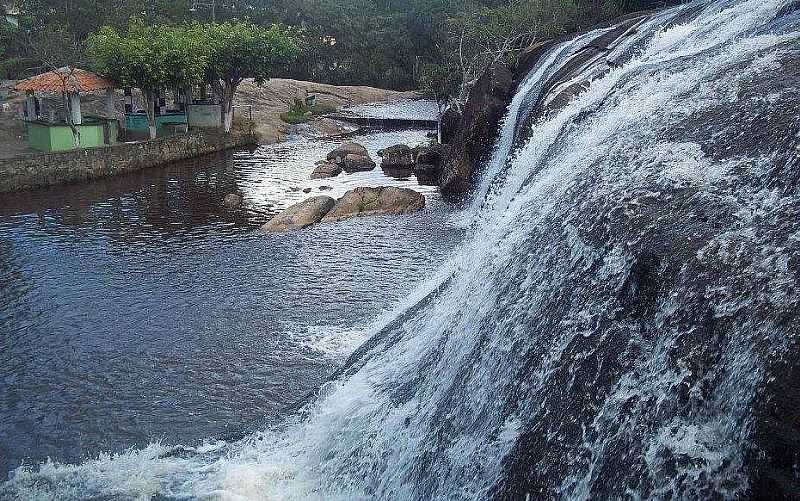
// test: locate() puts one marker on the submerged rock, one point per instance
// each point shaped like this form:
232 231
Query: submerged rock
325 169
376 201
300 215
232 201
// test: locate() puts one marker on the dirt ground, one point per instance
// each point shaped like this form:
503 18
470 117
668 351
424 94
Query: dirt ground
265 103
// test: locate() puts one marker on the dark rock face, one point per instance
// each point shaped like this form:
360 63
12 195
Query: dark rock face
428 165
397 161
449 124
478 129
427 175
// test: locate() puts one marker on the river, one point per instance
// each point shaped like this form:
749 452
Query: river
138 308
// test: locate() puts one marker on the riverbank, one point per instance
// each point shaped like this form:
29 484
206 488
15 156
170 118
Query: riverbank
47 169
263 105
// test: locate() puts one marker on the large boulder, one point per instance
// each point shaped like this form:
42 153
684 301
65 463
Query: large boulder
325 169
376 201
338 155
357 163
431 155
300 215
399 156
478 129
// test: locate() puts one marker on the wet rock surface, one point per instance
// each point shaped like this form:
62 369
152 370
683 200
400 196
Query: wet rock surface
478 129
357 163
300 215
376 201
325 169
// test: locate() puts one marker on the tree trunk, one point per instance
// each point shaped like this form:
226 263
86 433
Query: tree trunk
227 97
150 110
76 132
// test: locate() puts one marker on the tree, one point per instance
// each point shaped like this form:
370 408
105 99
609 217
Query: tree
150 58
235 51
439 82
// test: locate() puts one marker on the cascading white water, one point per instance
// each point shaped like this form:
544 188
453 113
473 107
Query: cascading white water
605 330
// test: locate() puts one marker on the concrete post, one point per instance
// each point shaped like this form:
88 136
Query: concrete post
75 105
111 111
30 107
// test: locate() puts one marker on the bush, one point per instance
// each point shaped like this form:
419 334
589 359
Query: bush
299 112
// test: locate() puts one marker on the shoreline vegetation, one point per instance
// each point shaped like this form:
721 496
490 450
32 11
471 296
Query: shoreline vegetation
439 47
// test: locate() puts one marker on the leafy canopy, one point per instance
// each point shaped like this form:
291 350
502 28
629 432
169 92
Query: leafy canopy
149 57
235 51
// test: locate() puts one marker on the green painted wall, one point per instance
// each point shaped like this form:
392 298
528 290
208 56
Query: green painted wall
47 137
137 122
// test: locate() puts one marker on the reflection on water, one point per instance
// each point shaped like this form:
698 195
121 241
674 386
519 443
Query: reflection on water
138 307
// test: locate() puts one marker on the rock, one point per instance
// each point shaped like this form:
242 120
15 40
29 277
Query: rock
448 124
357 163
396 157
300 215
431 155
398 172
325 188
293 188
307 190
428 165
376 201
478 129
325 169
232 201
338 155
427 174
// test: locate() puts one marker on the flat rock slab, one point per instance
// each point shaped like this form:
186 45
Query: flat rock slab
300 215
376 201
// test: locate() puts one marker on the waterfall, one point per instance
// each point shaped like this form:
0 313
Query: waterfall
621 322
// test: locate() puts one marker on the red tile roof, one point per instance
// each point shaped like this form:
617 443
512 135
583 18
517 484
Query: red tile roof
65 79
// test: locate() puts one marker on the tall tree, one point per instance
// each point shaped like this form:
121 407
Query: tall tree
239 50
150 58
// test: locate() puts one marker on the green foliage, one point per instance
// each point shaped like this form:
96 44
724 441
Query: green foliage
149 57
440 82
235 51
300 112
385 43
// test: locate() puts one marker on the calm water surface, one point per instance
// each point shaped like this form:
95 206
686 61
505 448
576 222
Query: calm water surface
138 308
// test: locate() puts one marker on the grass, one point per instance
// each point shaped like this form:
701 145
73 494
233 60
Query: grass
299 112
